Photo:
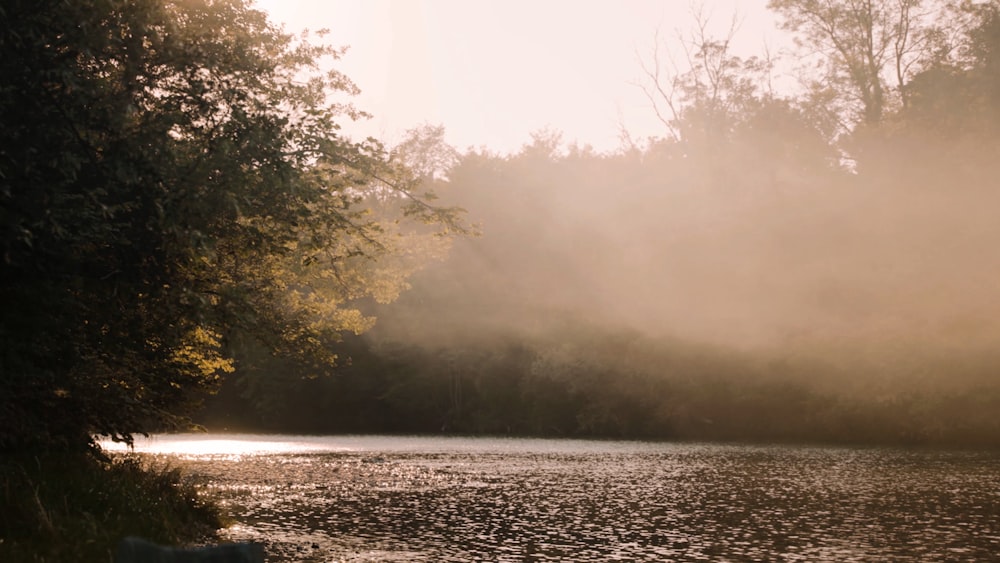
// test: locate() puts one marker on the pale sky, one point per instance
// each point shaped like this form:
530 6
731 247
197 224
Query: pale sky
494 71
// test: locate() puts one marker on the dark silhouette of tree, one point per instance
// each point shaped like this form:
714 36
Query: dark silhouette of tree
869 49
172 182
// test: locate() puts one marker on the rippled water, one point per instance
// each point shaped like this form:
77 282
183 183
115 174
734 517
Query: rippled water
470 499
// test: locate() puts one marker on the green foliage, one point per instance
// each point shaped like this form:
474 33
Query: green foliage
172 183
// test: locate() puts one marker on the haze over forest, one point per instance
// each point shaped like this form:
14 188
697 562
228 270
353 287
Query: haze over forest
186 217
808 265
191 235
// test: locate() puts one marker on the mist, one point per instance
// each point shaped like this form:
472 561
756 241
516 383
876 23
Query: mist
823 223
623 241
816 266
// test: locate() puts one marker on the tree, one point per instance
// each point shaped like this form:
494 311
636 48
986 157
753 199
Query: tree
870 48
700 95
172 178
944 136
958 94
425 152
731 129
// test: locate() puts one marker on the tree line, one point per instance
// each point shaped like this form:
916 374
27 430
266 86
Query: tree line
182 214
812 266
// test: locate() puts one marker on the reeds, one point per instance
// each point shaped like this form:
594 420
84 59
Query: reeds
77 507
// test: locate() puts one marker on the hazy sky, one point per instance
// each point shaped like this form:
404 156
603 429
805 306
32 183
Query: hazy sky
493 71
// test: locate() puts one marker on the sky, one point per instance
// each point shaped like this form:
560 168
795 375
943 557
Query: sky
495 71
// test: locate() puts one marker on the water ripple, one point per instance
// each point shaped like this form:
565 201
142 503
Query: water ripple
617 503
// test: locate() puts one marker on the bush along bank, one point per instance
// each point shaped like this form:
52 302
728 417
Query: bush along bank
77 507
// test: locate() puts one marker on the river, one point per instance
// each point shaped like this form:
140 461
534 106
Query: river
384 498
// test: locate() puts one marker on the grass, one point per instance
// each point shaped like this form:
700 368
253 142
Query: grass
78 507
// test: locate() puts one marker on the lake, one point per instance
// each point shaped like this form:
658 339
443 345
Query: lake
383 498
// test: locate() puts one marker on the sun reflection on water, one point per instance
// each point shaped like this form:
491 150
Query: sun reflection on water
397 498
230 446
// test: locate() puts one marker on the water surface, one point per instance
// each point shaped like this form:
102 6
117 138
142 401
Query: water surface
362 498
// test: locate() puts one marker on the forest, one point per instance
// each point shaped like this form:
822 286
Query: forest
814 266
175 196
190 239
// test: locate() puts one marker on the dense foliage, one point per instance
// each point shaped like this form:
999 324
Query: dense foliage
178 204
69 507
174 189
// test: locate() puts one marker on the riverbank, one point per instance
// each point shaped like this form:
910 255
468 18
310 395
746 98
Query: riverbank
77 507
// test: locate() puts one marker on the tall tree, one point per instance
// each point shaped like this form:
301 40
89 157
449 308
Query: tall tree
869 48
699 92
171 175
